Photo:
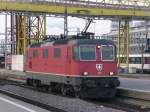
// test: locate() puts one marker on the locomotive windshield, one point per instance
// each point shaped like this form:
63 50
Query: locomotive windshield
84 53
108 53
87 52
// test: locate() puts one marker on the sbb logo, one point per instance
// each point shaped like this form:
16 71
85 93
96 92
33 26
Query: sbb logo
99 67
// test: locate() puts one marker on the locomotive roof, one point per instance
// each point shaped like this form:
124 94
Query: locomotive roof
83 41
71 41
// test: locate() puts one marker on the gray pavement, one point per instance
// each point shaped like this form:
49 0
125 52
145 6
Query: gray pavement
133 83
13 75
8 104
139 76
6 72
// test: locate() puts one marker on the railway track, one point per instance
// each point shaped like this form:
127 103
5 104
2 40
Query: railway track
25 99
124 103
121 104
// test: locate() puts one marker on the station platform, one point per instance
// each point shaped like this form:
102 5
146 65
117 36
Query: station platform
137 76
9 104
13 75
137 84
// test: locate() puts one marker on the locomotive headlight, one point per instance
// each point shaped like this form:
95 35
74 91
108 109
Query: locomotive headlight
85 73
98 46
111 73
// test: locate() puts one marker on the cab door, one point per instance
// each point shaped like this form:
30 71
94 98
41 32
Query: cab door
68 61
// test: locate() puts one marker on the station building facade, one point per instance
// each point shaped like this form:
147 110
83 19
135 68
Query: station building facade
139 43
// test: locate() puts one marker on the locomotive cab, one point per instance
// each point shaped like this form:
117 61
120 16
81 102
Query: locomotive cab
95 63
95 60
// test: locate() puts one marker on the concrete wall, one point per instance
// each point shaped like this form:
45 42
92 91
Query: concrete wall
17 63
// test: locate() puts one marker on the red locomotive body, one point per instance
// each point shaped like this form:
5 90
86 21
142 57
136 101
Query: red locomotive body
86 67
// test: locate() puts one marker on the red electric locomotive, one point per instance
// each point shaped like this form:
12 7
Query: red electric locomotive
85 67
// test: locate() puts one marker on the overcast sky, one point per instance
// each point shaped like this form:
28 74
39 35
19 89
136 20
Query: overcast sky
55 25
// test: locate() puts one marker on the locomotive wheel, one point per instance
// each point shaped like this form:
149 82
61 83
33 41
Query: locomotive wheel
77 94
51 87
47 88
36 83
29 82
50 90
64 90
44 88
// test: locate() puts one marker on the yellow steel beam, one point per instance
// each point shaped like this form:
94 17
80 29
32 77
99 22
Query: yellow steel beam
25 34
72 9
123 43
18 34
21 34
125 2
119 42
37 28
44 25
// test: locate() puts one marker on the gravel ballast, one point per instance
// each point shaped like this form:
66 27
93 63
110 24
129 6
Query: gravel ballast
64 103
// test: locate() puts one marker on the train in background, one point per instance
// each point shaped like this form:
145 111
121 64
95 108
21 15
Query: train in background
81 65
135 63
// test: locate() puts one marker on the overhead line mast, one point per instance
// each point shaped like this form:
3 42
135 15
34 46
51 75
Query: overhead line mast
65 22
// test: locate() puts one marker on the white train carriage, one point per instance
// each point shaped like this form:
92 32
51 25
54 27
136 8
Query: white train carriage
136 60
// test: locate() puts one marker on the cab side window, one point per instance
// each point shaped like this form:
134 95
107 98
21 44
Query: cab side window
57 52
35 53
75 55
45 53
